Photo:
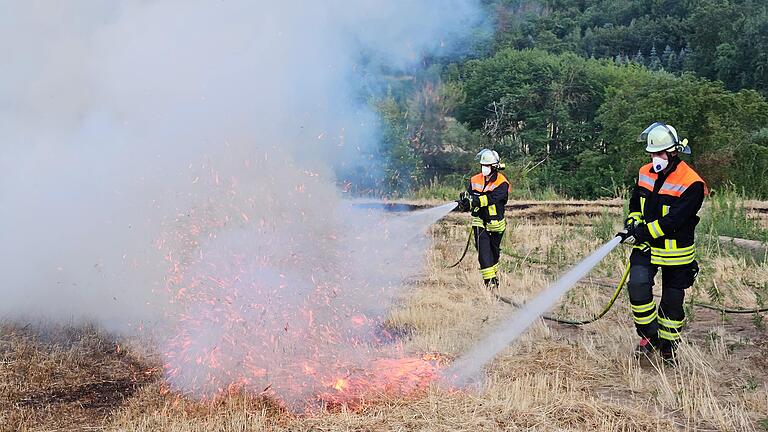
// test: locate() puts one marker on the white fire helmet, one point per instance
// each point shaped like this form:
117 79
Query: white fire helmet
660 137
488 157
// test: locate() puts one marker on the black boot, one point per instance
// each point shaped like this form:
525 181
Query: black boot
669 354
492 284
646 347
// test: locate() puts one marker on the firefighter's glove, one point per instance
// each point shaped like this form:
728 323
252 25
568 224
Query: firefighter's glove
464 201
631 234
630 222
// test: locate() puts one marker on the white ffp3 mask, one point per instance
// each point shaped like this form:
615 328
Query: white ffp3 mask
486 170
659 164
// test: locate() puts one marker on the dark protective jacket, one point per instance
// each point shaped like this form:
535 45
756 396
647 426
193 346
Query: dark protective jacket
666 205
488 201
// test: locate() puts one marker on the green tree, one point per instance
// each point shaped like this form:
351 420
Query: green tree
403 168
654 63
696 29
719 124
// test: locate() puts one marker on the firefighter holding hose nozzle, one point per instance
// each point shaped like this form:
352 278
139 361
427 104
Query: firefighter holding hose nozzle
660 228
485 198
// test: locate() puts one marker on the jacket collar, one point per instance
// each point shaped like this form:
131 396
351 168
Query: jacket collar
673 163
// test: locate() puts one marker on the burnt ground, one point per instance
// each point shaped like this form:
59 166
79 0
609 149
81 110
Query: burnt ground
100 397
68 378
75 378
94 377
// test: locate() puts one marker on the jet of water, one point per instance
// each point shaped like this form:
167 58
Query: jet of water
466 368
423 219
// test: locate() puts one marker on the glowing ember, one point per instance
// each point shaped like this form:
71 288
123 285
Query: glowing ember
340 384
384 377
270 299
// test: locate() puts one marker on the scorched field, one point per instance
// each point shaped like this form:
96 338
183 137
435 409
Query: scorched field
557 377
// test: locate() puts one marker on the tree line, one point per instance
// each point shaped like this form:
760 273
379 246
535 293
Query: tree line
562 89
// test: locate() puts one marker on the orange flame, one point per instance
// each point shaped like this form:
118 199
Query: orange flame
224 346
341 384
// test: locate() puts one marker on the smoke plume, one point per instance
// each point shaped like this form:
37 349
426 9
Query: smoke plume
172 165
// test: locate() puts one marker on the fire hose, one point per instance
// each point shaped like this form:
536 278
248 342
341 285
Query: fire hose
596 317
615 296
610 302
508 301
467 367
466 248
725 309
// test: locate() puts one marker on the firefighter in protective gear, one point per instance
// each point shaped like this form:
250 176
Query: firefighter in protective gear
485 198
660 227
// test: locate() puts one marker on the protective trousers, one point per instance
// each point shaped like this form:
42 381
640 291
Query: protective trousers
663 325
488 245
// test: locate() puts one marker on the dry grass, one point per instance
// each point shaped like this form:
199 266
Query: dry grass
556 378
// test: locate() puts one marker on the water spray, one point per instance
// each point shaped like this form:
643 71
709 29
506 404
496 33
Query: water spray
467 367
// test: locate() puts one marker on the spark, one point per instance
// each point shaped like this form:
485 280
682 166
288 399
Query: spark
255 312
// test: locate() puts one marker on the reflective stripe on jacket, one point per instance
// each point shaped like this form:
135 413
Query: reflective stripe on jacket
667 203
488 209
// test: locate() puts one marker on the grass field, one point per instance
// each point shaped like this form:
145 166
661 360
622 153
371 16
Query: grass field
555 378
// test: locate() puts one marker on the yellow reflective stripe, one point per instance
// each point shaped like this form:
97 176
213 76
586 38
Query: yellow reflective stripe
644 307
491 226
672 261
492 210
668 244
637 216
645 320
668 335
670 324
655 229
671 246
672 252
488 272
496 225
642 205
483 200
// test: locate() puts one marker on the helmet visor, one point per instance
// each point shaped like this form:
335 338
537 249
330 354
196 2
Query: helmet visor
643 137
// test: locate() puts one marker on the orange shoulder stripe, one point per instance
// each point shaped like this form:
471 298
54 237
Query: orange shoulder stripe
680 180
477 182
646 177
500 180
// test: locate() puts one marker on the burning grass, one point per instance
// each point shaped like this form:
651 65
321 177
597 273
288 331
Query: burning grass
554 378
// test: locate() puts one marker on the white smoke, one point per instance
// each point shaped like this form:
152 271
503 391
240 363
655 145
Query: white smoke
139 135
